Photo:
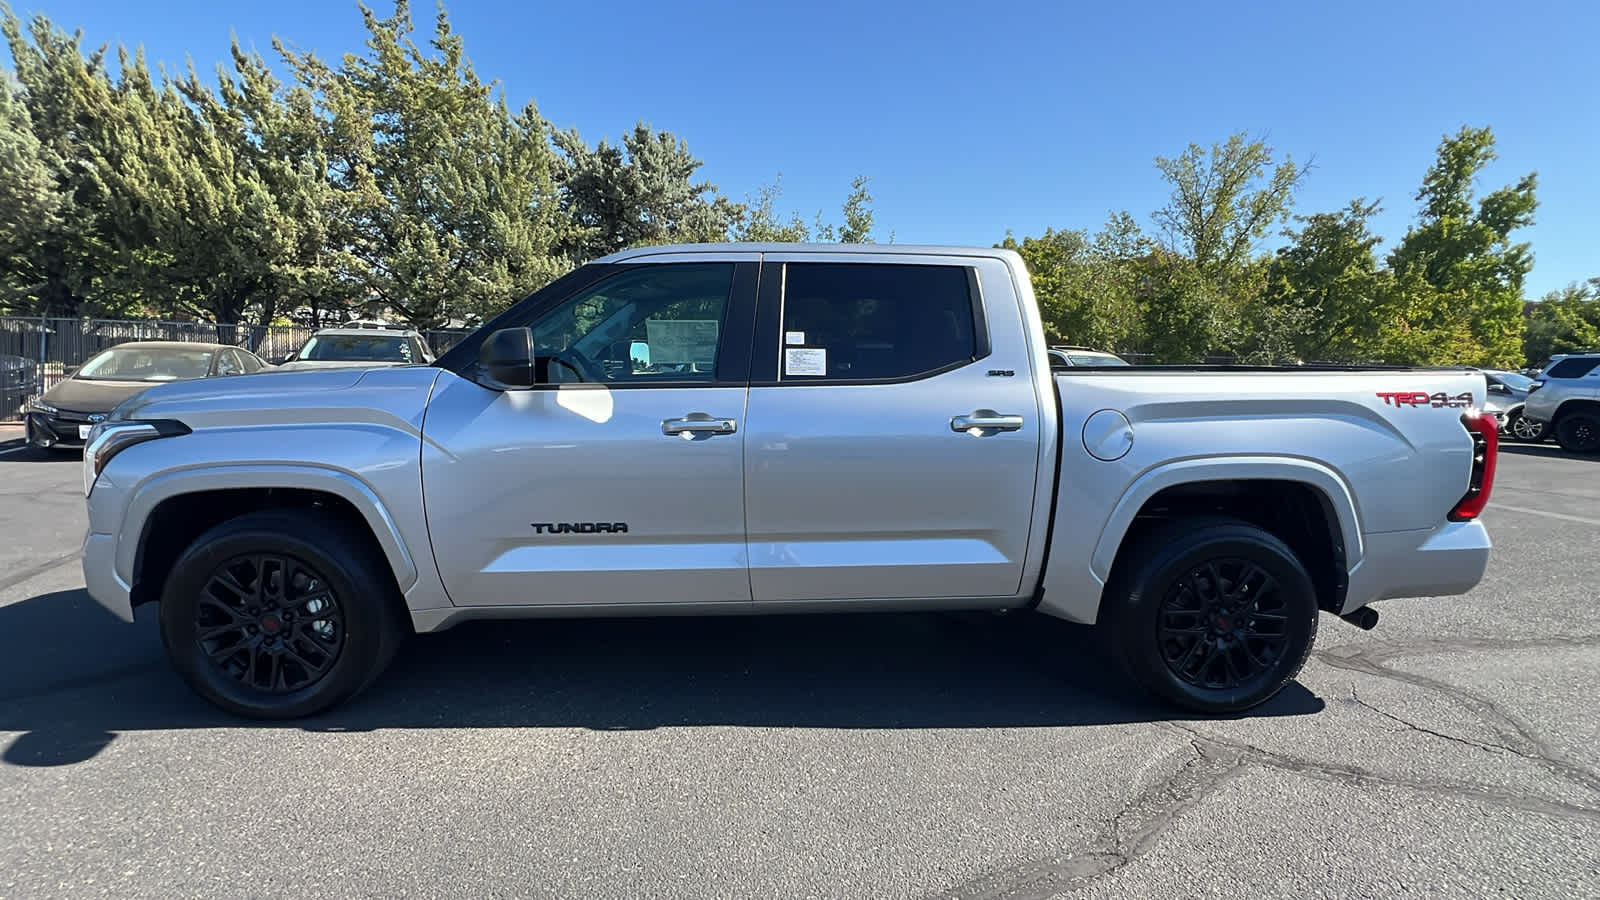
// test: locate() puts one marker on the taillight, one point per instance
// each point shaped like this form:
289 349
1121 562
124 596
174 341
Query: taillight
1485 450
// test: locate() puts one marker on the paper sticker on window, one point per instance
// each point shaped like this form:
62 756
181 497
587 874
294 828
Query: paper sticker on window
805 361
794 337
682 342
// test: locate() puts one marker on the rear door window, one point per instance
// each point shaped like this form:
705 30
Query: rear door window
875 322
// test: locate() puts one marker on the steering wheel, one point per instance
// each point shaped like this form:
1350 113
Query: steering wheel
579 364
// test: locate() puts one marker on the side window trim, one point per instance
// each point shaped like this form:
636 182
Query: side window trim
769 323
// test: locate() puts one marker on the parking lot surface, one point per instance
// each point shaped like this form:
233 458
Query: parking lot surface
1454 750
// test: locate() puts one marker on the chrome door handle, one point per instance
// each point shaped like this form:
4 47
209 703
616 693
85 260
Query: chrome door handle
985 420
698 423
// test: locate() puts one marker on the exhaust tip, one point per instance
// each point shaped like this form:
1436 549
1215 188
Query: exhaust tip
1365 618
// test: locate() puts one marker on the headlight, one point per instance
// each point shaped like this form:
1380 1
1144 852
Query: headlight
37 404
107 439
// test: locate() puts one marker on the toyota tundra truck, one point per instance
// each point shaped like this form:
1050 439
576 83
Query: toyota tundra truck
774 428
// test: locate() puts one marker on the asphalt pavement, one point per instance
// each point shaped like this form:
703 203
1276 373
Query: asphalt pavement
1454 750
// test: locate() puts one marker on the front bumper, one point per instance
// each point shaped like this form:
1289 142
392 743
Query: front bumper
60 430
100 575
1437 562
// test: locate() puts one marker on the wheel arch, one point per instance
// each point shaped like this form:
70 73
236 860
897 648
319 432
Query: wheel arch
1075 583
1574 405
169 511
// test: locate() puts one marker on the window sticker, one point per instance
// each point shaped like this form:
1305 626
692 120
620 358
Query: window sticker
794 337
681 341
805 361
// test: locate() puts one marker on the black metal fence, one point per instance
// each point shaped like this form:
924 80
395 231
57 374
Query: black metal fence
36 352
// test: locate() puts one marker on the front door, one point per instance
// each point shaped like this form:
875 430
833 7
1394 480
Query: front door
893 436
622 481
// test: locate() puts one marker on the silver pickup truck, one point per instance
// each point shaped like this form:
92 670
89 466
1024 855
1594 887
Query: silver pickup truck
752 428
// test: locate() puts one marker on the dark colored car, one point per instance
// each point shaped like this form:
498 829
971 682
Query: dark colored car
19 380
63 415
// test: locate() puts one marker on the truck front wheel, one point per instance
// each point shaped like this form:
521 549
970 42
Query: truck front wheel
279 614
1211 614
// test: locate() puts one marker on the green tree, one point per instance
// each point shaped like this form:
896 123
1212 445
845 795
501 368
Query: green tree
1325 287
1223 201
1563 321
29 205
636 192
858 213
60 266
1465 254
757 218
450 197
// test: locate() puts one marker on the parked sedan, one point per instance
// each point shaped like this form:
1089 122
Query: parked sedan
63 415
1507 392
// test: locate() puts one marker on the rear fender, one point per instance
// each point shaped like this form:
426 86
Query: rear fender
1073 587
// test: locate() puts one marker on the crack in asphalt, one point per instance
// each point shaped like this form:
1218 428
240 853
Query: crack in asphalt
1519 737
1468 742
1139 825
1132 832
1366 777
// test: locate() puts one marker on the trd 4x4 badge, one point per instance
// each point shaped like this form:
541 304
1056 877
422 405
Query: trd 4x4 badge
1422 398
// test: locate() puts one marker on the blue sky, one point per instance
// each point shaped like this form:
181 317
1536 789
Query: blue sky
971 121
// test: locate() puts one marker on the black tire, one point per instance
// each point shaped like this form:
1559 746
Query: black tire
1159 589
335 607
1524 430
1579 432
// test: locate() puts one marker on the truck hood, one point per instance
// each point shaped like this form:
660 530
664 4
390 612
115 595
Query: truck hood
276 397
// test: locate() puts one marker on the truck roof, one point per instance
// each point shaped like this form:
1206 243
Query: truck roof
831 249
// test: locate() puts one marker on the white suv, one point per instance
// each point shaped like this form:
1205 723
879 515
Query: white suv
1566 396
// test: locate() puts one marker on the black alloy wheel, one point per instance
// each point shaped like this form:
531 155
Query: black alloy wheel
1210 613
1223 623
1579 432
281 613
270 622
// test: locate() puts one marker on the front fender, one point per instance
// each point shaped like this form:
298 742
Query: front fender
222 476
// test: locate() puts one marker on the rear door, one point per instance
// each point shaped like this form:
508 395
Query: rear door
622 481
893 435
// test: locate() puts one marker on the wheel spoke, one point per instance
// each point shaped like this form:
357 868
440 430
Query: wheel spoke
206 634
1213 650
227 651
1235 676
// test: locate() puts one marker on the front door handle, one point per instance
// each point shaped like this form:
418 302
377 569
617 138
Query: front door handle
985 421
697 423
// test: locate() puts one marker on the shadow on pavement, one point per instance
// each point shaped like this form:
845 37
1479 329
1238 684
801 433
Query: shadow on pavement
1545 451
17 451
72 677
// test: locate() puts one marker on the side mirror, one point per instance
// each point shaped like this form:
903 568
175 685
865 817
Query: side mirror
507 357
69 371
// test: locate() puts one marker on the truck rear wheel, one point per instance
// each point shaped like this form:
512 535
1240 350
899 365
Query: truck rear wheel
1211 614
279 614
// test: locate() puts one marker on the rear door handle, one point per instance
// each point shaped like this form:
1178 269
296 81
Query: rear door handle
698 423
985 420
